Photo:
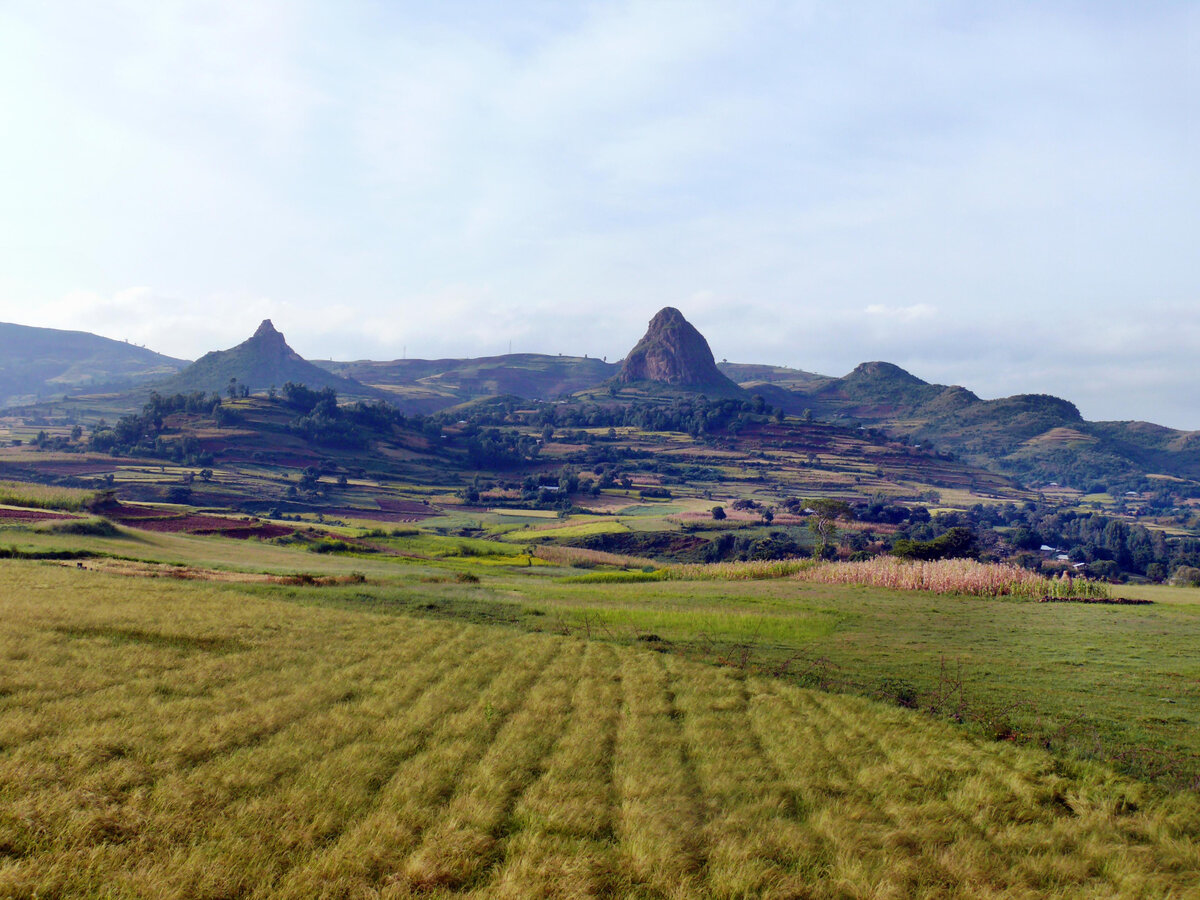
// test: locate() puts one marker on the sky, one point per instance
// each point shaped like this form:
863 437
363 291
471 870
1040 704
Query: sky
1004 196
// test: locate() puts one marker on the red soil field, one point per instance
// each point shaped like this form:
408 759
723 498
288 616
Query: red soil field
152 519
31 515
133 512
392 511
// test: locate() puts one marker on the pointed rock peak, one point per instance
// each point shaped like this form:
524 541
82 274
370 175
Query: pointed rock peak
673 352
668 316
266 329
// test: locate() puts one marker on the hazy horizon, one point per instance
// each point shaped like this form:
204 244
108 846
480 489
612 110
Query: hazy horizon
1003 197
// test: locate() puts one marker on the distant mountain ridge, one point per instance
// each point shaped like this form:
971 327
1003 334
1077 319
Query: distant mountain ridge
38 363
1037 437
427 385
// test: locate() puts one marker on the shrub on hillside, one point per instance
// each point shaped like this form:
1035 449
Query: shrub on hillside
93 527
1186 576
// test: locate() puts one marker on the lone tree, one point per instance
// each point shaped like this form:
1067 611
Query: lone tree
825 512
718 513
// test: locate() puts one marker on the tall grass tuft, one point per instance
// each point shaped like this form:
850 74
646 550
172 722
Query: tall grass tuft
954 576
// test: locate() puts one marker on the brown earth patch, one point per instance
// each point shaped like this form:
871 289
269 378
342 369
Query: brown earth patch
150 518
129 513
31 515
79 468
391 510
194 573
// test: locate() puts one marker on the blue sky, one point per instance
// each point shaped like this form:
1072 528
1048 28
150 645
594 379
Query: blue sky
1004 196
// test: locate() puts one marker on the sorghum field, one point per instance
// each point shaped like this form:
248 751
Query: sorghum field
167 738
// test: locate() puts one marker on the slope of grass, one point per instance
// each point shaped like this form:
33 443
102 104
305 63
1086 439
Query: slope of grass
187 740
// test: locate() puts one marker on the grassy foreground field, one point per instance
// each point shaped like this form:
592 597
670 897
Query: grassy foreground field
1115 684
163 738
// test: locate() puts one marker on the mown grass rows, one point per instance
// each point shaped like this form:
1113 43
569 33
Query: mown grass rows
323 753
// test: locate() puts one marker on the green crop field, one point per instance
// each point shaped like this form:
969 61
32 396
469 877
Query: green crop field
191 739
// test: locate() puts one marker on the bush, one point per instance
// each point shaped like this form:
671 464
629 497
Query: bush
16 553
956 543
898 691
94 527
1186 576
334 546
655 494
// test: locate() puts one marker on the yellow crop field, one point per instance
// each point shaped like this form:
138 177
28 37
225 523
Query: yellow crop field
190 739
20 493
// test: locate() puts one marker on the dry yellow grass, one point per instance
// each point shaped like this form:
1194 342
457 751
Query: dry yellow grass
184 739
21 493
952 576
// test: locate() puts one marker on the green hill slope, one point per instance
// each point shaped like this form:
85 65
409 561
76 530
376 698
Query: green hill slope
1036 436
263 361
38 363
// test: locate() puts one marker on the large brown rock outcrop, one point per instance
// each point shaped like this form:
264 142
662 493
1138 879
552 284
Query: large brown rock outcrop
673 352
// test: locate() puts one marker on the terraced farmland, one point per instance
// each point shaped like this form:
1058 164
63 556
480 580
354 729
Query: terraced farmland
185 739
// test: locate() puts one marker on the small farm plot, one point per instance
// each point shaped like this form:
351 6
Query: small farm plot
193 740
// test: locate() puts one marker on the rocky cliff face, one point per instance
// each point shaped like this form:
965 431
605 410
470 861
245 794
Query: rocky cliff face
267 345
673 352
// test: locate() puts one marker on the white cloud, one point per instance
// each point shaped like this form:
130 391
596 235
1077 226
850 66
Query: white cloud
913 313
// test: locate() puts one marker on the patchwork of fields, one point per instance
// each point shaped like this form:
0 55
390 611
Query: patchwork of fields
190 739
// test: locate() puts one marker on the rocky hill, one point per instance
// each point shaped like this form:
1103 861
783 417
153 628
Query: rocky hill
263 361
674 353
